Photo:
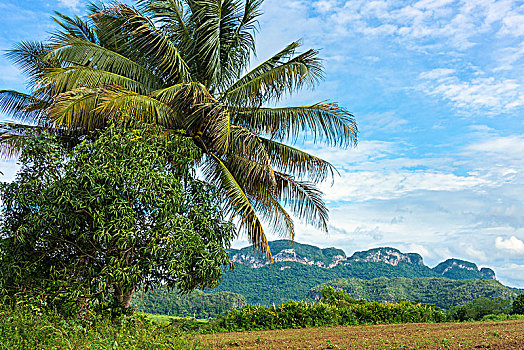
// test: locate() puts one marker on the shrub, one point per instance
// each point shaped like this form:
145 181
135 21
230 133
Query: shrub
338 308
518 305
476 309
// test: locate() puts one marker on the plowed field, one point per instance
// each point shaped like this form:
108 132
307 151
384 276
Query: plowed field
479 335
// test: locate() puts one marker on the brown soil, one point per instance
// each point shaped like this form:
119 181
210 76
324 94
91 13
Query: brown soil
479 335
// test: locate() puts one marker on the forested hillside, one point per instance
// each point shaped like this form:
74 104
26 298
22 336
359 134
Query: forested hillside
442 292
195 304
300 267
282 281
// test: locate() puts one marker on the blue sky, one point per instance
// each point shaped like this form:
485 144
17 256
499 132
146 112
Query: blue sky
437 88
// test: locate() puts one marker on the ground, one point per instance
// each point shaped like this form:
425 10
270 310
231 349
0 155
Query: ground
478 335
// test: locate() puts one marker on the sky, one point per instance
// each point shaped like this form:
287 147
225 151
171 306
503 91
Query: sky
437 89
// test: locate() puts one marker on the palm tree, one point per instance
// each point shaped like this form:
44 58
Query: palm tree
185 65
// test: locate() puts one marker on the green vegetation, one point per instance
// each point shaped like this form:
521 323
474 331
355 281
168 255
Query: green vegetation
118 213
518 305
442 292
282 281
480 309
27 329
197 304
460 269
337 308
185 65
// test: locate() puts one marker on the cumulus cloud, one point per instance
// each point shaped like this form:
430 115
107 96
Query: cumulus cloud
512 245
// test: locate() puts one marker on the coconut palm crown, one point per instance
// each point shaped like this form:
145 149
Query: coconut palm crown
185 65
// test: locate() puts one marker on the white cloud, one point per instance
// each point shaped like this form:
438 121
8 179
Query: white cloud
507 147
477 254
72 4
367 185
456 22
512 245
419 249
496 95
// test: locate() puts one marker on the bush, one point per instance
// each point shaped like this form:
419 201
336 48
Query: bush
476 309
518 305
502 317
338 308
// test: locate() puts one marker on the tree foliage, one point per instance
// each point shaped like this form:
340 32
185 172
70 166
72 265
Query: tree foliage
518 305
478 308
198 304
185 64
121 211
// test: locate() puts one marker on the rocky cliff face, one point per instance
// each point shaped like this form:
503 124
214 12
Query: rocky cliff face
456 268
284 250
387 255
487 273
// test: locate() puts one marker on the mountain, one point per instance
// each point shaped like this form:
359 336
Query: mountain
285 280
387 255
286 250
300 267
442 292
460 269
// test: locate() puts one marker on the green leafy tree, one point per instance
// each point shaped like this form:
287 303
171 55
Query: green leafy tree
185 65
120 212
518 305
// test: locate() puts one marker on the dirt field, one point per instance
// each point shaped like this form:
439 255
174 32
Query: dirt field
485 335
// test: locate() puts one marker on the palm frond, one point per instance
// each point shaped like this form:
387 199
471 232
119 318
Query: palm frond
304 199
130 107
217 21
291 160
239 204
240 46
76 27
140 33
59 80
22 106
267 65
184 96
326 121
250 146
170 15
75 110
266 85
80 52
33 58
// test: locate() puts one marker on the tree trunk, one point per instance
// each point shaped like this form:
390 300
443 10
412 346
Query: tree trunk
124 297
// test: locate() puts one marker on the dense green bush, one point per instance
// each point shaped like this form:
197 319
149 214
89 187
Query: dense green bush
518 305
476 309
338 308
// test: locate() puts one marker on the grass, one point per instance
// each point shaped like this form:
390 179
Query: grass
28 330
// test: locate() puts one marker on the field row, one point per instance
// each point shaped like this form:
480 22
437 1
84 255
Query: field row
479 335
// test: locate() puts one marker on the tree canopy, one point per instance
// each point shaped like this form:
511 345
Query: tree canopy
185 65
119 212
